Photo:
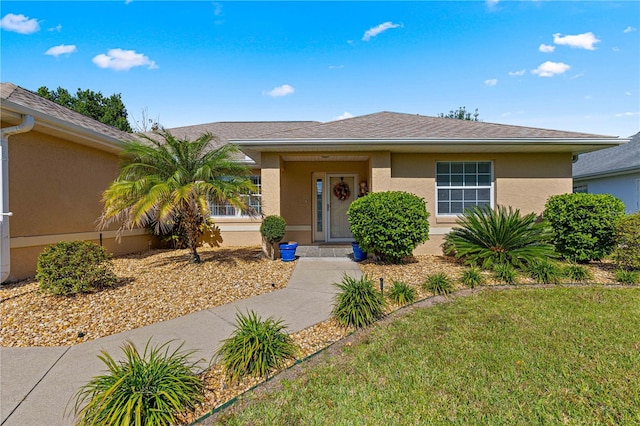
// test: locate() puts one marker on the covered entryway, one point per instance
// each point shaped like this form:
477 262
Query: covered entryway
333 194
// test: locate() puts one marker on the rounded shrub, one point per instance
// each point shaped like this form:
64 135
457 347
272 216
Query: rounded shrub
627 251
68 268
584 225
256 347
358 303
273 228
148 389
401 293
389 224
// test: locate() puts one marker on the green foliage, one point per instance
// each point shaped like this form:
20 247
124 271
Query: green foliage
401 293
68 268
147 389
487 237
256 347
472 277
273 228
577 273
505 272
438 283
545 271
389 224
164 181
358 303
108 110
627 251
624 276
584 224
461 114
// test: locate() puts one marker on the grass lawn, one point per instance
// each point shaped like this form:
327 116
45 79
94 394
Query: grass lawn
523 356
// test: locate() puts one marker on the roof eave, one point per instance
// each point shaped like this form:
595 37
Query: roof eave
608 173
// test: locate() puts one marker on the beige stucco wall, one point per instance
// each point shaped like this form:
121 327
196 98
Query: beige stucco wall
55 188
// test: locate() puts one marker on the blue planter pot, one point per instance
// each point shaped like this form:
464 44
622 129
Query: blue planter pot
358 254
288 251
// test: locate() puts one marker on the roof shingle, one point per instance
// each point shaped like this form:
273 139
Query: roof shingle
610 160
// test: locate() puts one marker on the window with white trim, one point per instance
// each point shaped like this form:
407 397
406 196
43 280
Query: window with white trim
463 184
254 200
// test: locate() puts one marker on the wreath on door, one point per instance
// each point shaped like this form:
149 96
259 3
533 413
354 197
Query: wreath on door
342 191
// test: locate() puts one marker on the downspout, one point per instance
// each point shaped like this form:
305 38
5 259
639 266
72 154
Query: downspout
5 249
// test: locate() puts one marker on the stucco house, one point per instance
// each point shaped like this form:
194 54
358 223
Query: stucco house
56 163
614 171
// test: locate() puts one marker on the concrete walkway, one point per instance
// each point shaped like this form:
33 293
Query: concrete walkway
36 384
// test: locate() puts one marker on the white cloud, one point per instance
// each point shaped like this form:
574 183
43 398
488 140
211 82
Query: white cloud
627 93
630 29
343 116
616 49
492 3
127 1
279 91
492 82
19 24
61 50
579 41
372 32
336 67
57 28
628 114
123 60
517 73
549 69
546 48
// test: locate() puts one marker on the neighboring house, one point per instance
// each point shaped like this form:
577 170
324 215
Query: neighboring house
55 165
614 171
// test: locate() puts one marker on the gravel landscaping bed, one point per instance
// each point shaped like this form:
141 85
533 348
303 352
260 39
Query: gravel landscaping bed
153 286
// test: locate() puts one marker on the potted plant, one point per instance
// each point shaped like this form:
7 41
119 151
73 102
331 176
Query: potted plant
272 230
288 251
358 254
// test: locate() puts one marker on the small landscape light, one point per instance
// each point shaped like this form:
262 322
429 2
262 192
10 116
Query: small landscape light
381 285
80 334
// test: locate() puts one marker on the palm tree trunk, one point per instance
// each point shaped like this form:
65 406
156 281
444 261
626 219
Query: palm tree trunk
193 231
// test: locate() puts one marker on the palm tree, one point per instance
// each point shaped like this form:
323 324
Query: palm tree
166 181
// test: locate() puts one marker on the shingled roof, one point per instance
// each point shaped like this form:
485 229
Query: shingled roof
16 97
391 125
619 159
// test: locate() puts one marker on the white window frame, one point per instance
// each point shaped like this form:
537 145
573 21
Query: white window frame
257 181
463 187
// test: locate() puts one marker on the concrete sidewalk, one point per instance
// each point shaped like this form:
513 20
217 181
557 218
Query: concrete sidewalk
36 384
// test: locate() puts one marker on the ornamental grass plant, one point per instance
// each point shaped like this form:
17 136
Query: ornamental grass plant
545 271
358 304
577 273
624 276
506 273
472 277
438 283
256 347
401 293
148 389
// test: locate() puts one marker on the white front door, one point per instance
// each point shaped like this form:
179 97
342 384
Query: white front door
341 191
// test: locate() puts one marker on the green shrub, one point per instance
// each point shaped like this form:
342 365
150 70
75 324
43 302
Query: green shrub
438 283
401 293
389 224
577 273
505 273
273 228
256 347
627 251
584 224
487 237
472 277
358 303
624 276
150 389
67 268
545 271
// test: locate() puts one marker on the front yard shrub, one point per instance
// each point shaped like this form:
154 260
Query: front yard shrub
389 224
624 276
627 251
544 271
584 225
472 277
147 389
489 236
256 347
401 293
506 273
578 273
272 230
438 283
358 303
68 268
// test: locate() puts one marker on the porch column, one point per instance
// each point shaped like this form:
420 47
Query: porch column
380 172
270 180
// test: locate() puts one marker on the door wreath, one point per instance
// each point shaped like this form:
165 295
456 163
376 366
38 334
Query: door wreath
342 191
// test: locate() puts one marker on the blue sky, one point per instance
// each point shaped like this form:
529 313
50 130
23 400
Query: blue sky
563 65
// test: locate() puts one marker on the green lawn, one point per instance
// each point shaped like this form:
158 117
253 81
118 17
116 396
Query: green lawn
524 356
